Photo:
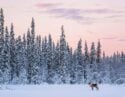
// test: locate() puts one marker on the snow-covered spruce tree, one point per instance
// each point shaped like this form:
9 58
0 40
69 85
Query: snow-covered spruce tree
54 78
12 54
1 33
93 66
29 66
41 60
86 62
49 59
18 53
98 60
80 66
104 75
122 67
109 62
44 69
23 77
1 44
117 69
70 65
38 58
56 62
32 66
63 53
20 64
73 74
122 57
114 68
1 27
92 54
6 57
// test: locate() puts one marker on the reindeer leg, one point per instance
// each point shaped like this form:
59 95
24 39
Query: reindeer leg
92 88
97 88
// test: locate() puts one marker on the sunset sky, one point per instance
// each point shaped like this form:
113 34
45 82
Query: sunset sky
90 20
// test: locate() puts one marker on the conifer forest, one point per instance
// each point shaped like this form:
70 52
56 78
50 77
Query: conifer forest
30 59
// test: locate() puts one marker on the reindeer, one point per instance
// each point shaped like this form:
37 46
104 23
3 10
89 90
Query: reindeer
94 85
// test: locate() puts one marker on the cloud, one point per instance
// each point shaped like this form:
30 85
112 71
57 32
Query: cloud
70 13
66 13
113 38
46 5
84 16
121 40
101 11
109 38
115 16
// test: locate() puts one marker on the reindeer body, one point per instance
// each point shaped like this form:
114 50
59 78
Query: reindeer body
94 85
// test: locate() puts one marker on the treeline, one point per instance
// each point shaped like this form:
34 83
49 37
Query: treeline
30 59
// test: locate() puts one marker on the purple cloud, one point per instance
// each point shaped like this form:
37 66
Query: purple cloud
110 38
80 15
46 5
115 16
121 40
66 13
101 11
72 14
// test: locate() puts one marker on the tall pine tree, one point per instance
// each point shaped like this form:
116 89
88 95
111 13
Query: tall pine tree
1 43
80 65
63 64
12 54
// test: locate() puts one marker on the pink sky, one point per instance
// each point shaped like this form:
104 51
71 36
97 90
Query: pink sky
87 19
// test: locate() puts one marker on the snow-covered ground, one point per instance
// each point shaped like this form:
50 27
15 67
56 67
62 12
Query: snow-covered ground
61 91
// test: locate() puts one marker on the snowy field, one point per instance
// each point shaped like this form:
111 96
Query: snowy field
61 91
